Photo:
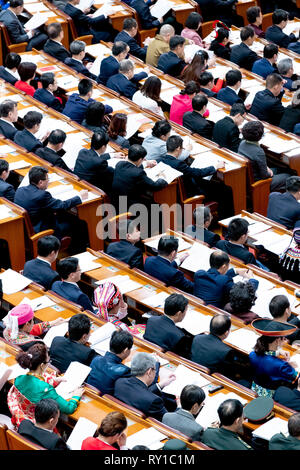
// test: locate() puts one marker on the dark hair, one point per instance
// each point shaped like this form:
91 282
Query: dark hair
45 409
199 101
236 228
34 357
176 41
94 114
222 33
218 258
119 47
113 423
190 88
229 411
252 13
77 46
292 184
129 23
161 128
99 139
54 30
12 60
237 108
232 77
205 78
194 70
273 79
190 395
117 125
4 165
140 447
246 33
26 71
270 50
31 119
262 344
85 86
57 136
279 15
203 212
174 142
67 266
175 303
253 131
79 325
294 425
167 244
242 297
16 3
219 324
127 226
136 152
193 20
119 341
6 107
36 174
47 79
152 88
47 244
278 305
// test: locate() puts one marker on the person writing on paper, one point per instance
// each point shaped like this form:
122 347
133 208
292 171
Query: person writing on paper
125 249
270 364
26 71
148 96
39 269
242 297
35 385
184 419
290 260
107 369
126 81
284 208
141 390
159 44
51 153
8 116
42 430
26 138
9 71
110 65
77 49
110 435
162 329
112 307
202 219
53 45
20 329
291 442
280 309
46 93
6 190
183 102
75 346
117 130
130 29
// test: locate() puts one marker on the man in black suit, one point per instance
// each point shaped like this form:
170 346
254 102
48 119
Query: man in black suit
125 249
51 153
280 309
162 329
54 45
194 120
173 62
9 73
275 32
6 190
202 219
39 269
64 350
8 115
46 93
288 397
41 431
267 105
15 29
241 54
143 10
206 84
223 10
229 94
236 237
226 132
126 81
285 208
130 29
77 49
26 138
111 64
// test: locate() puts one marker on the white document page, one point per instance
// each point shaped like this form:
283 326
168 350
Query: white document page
75 375
102 333
36 21
209 413
168 95
162 171
243 339
84 4
195 322
5 212
38 303
4 149
87 261
123 282
185 376
134 122
156 300
198 258
16 371
58 330
67 82
147 437
273 426
18 165
13 282
84 428
160 8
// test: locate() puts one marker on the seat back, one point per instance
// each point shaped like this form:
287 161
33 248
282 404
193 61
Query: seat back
206 28
20 47
266 21
3 438
18 442
258 191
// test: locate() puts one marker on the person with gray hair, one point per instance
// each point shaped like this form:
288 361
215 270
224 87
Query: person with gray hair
77 49
126 81
286 70
8 116
110 65
202 219
159 45
141 390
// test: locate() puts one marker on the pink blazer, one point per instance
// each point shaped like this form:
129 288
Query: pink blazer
193 35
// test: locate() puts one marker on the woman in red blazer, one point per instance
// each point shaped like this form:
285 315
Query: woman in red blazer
26 71
110 432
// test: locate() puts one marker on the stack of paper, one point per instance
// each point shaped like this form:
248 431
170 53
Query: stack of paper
163 171
198 258
85 4
195 322
273 241
123 282
134 122
211 159
252 92
183 245
18 165
150 437
87 261
100 338
243 339
257 227
84 428
13 282
209 413
36 21
4 149
58 330
185 376
273 426
5 212
75 375
67 82
156 300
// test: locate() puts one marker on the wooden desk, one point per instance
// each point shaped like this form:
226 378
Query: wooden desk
241 8
12 230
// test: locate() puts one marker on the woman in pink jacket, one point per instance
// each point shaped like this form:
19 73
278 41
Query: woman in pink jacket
192 25
183 102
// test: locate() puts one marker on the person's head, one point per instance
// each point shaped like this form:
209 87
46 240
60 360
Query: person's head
247 35
130 26
219 260
296 99
94 114
162 130
237 230
127 68
112 426
268 343
294 425
242 297
167 32
285 67
12 61
48 81
143 366
233 78
174 145
199 103
46 413
9 110
27 71
254 16
4 169
238 113
99 141
194 70
292 186
194 21
55 32
151 88
191 89
38 176
69 269
280 308
120 50
79 328
140 447
17 6
117 126
48 247
32 121
77 49
274 83
177 44
35 358
85 88
121 343
202 216
253 131
271 52
56 139
231 414
222 36
136 154
107 297
207 80
220 326
296 236
168 247
192 398
280 18
129 230
176 307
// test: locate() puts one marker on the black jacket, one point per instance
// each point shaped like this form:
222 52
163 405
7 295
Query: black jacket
267 107
287 397
290 117
41 272
276 35
211 352
8 77
7 190
42 437
227 134
52 157
125 251
27 140
93 168
9 131
220 50
56 50
242 55
64 350
284 209
198 124
170 63
238 251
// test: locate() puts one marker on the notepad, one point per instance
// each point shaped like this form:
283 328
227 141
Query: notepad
5 212
38 303
75 375
160 8
150 437
87 261
156 300
270 428
185 376
209 413
84 428
195 322
13 282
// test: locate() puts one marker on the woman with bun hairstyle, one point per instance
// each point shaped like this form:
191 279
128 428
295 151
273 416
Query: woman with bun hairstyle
36 384
220 45
110 434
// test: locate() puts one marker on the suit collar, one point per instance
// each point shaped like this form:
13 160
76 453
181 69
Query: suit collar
185 413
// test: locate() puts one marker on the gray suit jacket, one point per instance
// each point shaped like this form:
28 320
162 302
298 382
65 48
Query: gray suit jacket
183 421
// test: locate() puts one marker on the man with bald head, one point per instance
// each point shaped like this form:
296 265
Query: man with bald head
159 45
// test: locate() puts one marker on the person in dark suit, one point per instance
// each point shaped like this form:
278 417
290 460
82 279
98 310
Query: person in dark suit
206 84
275 32
65 350
6 190
165 268
126 81
15 29
130 29
70 274
77 49
143 10
173 62
125 249
241 54
46 93
226 132
285 208
111 64
50 153
107 369
194 120
267 105
202 219
267 65
140 391
233 83
162 329
223 10
280 309
213 286
9 73
41 431
8 115
288 397
291 115
53 45
286 70
294 47
39 269
26 138
291 442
